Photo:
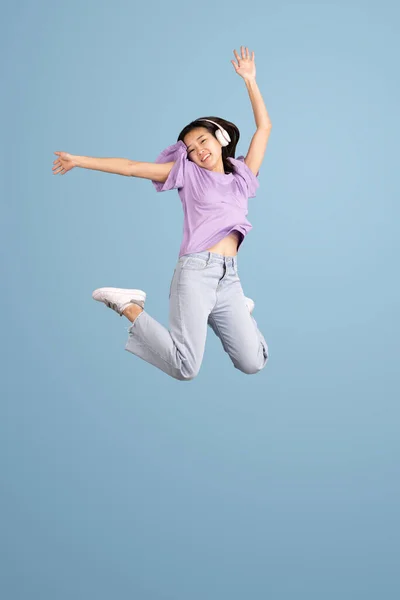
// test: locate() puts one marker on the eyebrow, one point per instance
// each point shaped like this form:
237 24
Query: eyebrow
202 135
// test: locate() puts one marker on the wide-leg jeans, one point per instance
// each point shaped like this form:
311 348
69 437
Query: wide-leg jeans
205 290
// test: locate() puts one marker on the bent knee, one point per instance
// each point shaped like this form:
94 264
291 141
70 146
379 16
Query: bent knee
252 367
187 374
182 377
249 369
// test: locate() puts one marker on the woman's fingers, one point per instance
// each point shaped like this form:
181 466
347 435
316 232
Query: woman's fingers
244 52
62 164
57 169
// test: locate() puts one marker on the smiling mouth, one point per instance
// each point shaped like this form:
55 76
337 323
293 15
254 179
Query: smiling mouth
204 159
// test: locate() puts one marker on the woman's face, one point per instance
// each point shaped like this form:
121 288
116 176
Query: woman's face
200 142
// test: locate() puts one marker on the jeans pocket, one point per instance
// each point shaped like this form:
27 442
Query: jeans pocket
194 263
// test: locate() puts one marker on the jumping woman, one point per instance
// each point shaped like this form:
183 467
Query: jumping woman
214 188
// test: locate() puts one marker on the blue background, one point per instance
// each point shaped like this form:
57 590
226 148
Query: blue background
118 481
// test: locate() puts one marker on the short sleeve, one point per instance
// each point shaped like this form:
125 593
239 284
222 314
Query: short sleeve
177 153
251 181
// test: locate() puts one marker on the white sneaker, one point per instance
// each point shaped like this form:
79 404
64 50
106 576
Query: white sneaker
118 299
250 304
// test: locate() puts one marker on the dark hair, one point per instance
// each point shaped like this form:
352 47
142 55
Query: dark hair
231 128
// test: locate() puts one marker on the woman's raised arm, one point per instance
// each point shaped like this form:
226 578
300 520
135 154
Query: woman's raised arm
119 166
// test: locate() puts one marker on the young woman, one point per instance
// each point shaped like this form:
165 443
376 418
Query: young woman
214 188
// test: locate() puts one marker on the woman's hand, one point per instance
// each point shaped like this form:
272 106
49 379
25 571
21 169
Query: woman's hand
246 67
63 164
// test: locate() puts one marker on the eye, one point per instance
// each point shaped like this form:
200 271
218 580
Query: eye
200 143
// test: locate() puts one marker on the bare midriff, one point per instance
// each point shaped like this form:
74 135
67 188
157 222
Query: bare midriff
228 245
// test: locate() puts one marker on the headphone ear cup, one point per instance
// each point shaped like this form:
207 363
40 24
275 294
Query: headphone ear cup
222 136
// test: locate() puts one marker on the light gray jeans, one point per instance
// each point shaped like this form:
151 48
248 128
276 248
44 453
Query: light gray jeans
205 290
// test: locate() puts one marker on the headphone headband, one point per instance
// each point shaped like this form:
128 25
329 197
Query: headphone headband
221 134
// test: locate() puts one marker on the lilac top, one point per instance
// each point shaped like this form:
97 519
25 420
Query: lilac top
214 204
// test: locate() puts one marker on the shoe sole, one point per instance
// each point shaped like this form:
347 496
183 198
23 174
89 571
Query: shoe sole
136 294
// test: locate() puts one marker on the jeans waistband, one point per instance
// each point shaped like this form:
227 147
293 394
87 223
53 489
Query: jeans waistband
213 257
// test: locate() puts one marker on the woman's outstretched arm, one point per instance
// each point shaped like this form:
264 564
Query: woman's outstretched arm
119 166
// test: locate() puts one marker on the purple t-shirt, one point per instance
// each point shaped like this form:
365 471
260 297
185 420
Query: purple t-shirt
214 204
